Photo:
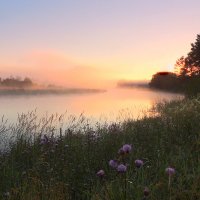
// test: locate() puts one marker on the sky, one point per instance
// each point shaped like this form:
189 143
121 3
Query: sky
94 43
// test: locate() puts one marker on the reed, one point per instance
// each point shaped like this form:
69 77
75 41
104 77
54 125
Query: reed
50 158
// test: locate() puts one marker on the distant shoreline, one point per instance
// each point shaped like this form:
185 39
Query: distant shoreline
46 91
133 84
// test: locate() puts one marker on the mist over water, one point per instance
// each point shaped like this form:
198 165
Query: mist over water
111 105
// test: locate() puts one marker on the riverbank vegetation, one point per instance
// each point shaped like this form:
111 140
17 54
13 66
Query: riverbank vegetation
186 76
157 157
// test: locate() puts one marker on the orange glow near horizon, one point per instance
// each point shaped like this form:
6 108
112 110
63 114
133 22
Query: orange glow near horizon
94 43
56 68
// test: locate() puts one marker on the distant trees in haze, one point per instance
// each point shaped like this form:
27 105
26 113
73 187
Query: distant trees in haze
16 82
186 77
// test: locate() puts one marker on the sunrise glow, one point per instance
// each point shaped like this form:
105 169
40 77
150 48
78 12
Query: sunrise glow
94 43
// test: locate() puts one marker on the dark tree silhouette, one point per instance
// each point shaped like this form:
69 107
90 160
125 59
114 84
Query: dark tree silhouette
187 73
180 68
164 81
190 65
192 62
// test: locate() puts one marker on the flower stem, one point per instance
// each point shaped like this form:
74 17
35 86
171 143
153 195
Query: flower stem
125 187
169 187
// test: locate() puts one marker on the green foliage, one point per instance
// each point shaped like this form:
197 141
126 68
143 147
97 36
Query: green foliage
65 166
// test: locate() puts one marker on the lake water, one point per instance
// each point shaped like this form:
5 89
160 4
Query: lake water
115 104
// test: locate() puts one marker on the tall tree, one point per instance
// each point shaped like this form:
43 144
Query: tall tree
180 68
193 59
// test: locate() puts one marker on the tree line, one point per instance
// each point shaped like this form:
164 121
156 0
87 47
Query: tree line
16 82
186 75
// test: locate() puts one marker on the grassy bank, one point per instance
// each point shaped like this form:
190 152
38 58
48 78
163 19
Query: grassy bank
42 164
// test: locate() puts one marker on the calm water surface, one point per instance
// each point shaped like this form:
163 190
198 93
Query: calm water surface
111 105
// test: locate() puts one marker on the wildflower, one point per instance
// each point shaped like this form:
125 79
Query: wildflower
44 140
113 163
139 163
23 173
121 151
100 173
127 148
146 191
7 194
170 171
121 168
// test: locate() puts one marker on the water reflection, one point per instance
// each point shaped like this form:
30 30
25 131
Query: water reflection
114 103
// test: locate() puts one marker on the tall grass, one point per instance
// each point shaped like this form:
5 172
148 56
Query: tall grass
44 161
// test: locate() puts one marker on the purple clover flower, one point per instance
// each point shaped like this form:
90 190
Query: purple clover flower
170 171
7 194
121 151
113 163
44 140
139 163
127 148
146 191
121 168
100 173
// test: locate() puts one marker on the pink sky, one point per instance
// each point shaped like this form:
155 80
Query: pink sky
95 43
